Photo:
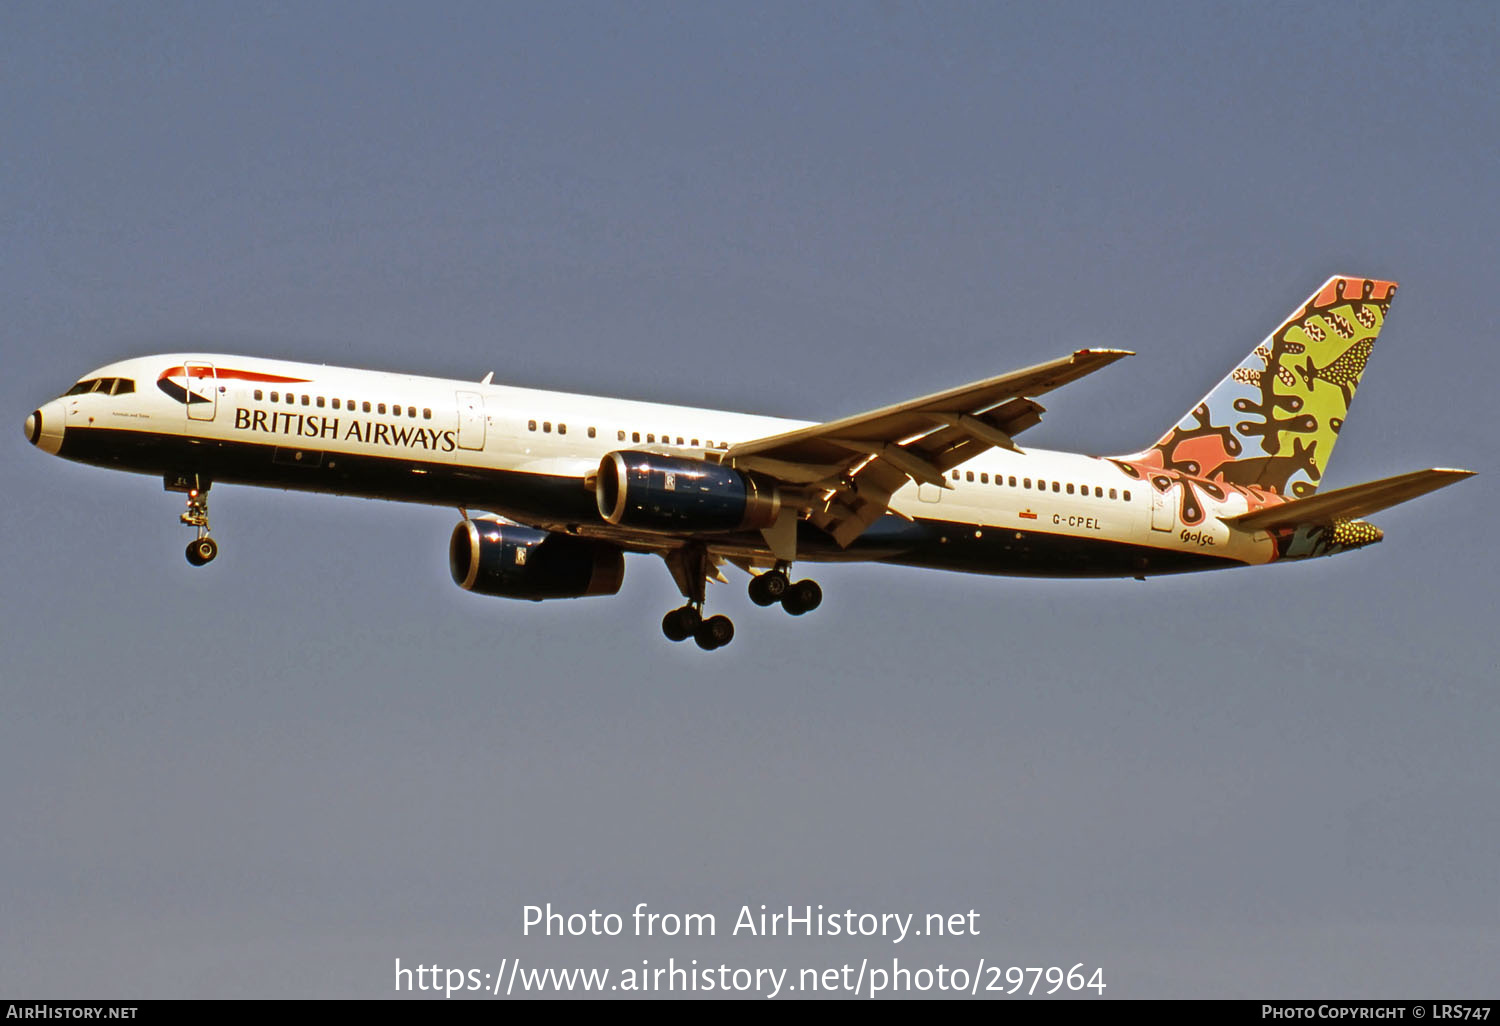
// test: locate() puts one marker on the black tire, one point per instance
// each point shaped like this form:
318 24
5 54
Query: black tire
715 632
201 551
722 628
809 595
673 627
758 591
768 588
802 597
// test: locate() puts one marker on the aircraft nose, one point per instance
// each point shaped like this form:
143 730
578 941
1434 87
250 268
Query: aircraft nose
44 428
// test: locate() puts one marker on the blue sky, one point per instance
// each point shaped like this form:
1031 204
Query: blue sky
275 776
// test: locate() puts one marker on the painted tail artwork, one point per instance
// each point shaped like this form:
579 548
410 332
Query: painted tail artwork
1272 423
1264 434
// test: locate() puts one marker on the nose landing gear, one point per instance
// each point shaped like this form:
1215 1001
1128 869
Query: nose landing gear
202 549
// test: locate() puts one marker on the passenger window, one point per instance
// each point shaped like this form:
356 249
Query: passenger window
547 426
1098 492
1127 495
367 406
955 475
1012 482
275 397
380 408
1028 482
562 429
969 475
335 404
1070 488
320 402
695 443
984 479
1055 487
531 425
620 436
1113 494
679 439
411 411
635 436
591 432
291 400
307 400
1041 485
426 413
259 395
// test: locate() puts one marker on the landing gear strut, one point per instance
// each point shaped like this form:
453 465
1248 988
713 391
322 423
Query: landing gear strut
690 567
201 549
773 586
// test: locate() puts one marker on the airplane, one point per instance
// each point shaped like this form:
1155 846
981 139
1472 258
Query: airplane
554 488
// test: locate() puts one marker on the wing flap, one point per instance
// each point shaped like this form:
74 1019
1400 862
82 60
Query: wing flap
1351 502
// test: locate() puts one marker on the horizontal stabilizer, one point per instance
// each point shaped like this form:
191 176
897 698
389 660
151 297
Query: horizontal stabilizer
1348 503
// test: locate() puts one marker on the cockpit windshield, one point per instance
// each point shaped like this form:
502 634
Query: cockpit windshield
108 386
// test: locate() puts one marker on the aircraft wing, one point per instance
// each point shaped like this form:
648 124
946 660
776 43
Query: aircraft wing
845 471
1349 503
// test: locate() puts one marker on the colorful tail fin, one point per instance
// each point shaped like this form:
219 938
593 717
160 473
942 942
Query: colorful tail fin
1273 421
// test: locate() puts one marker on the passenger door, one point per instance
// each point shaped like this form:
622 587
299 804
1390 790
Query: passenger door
470 420
202 391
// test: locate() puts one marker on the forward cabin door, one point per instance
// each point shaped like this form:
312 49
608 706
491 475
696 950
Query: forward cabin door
470 420
202 391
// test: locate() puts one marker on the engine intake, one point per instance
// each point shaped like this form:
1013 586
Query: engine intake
656 492
491 558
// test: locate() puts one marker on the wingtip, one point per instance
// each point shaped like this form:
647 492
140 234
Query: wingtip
1116 353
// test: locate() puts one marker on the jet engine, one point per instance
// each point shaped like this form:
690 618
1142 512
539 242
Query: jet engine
662 493
494 558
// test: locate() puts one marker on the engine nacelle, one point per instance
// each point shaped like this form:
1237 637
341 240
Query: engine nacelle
492 558
656 492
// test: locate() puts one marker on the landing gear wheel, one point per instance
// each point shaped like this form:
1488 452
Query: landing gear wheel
768 588
679 624
715 632
202 550
802 597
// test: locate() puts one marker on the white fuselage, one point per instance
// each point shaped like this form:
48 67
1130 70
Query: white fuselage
259 421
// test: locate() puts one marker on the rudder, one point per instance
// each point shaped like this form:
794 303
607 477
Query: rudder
1273 422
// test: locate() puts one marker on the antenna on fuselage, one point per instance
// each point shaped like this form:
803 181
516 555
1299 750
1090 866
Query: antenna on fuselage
488 378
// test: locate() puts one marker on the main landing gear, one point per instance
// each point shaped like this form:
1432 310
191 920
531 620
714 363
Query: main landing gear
688 622
773 586
201 549
691 567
